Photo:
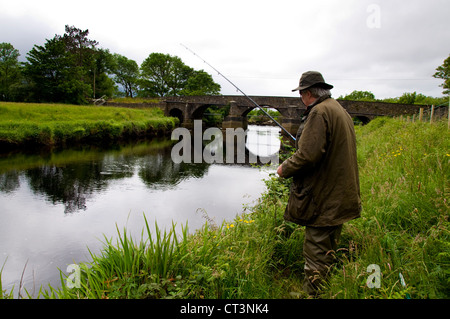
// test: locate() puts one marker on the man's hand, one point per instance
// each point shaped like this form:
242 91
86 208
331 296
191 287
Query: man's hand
279 171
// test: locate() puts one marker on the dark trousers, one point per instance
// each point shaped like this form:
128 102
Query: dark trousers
318 250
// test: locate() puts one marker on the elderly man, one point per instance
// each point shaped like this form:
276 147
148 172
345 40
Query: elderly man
325 188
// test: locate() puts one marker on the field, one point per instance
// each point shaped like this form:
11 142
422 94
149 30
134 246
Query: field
28 124
404 230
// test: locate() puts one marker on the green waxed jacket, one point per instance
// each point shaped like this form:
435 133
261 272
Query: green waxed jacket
325 187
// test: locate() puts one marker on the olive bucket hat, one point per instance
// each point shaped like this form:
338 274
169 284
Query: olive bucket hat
312 78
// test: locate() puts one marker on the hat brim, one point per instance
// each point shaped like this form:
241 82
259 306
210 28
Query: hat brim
322 85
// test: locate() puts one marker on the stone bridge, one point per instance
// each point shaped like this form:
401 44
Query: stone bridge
190 108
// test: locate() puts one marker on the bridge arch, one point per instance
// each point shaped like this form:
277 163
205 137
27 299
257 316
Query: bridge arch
251 108
175 112
267 108
361 119
200 110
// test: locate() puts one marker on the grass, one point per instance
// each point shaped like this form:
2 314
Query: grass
404 229
404 170
28 124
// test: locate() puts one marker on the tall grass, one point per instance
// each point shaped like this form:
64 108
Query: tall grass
404 229
3 293
404 170
125 269
60 124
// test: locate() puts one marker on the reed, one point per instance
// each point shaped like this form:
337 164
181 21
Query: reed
3 293
127 268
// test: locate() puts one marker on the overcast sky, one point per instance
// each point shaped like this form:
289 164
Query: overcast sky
388 47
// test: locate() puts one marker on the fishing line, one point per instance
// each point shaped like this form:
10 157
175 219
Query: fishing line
239 90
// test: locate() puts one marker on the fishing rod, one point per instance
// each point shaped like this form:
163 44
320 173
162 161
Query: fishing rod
249 98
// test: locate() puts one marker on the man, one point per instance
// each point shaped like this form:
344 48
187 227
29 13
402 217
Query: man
325 191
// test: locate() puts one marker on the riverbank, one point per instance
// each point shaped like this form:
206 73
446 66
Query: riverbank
33 125
404 229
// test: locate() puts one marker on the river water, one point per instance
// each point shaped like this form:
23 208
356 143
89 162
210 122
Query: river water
55 206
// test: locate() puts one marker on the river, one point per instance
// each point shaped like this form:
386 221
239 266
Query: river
55 206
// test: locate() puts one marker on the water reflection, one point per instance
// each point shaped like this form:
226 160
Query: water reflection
71 179
9 181
263 141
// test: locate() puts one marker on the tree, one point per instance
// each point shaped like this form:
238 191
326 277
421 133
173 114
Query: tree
166 75
359 96
81 48
86 59
443 72
68 69
416 98
9 70
52 75
126 73
163 75
201 83
101 74
407 98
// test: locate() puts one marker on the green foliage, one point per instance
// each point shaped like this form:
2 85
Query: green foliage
359 96
126 74
10 71
71 69
200 83
405 98
166 75
3 293
420 99
443 72
404 173
60 70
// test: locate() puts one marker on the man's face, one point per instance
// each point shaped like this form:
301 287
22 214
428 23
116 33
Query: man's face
306 97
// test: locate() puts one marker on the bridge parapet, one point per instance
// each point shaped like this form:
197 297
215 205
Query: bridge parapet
290 108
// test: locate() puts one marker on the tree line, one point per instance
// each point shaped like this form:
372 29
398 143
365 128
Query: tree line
405 98
71 68
442 72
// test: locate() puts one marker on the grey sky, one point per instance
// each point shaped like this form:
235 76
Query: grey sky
387 47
